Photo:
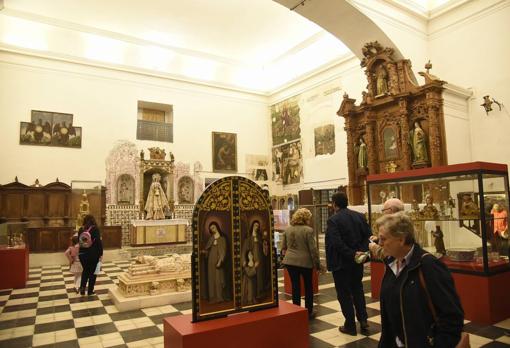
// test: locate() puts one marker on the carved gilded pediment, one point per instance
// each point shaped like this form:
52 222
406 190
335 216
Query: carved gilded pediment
220 197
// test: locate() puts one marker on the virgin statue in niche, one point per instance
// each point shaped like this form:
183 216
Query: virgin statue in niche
381 81
216 251
418 143
156 200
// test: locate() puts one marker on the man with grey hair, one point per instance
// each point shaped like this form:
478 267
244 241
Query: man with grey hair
391 206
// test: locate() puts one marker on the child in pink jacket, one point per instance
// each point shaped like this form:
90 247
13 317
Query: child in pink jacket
74 262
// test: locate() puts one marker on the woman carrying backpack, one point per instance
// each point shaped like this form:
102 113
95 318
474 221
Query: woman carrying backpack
91 251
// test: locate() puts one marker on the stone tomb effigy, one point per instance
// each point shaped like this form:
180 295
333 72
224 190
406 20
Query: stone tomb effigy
152 281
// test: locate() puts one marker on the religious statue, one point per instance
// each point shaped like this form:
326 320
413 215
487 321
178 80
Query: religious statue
468 209
361 150
381 80
125 195
156 200
439 241
146 264
500 216
149 275
429 211
418 143
83 210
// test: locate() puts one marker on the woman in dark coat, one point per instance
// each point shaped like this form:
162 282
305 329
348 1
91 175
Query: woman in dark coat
406 318
89 257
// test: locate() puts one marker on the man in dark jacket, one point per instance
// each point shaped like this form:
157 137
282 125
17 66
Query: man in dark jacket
347 233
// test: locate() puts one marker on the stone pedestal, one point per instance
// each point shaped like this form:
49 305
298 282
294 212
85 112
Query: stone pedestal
152 232
124 303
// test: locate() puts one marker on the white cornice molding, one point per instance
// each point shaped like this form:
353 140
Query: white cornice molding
445 8
395 22
348 58
67 25
469 18
458 91
122 69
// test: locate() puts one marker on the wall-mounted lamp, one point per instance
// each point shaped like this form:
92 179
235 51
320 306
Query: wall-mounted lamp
487 104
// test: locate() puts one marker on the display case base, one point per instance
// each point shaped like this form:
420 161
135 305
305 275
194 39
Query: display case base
14 273
282 326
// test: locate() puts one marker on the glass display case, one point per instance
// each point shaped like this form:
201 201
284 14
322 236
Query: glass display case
460 212
86 199
13 234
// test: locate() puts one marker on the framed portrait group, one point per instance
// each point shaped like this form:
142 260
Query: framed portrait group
50 129
234 259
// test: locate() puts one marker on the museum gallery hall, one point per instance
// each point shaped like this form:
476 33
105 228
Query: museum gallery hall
173 171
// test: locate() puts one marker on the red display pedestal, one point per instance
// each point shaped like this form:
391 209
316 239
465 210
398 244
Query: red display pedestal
484 298
283 326
14 272
376 275
288 285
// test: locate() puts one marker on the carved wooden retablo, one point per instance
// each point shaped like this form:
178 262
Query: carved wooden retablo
149 275
399 125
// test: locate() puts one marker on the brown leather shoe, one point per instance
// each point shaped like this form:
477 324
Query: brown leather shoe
363 325
347 330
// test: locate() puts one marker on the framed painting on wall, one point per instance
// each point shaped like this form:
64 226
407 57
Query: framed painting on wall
224 156
50 129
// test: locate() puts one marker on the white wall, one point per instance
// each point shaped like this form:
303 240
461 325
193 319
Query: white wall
470 47
320 98
104 104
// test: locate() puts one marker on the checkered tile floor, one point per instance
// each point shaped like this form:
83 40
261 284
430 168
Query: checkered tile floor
48 313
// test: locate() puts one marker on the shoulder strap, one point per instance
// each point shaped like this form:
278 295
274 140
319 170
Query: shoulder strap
424 286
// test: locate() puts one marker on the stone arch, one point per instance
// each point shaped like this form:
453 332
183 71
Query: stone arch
344 21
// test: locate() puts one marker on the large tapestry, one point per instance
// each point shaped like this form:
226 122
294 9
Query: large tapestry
234 259
50 129
285 121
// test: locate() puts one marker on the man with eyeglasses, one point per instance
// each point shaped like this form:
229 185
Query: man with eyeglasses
391 206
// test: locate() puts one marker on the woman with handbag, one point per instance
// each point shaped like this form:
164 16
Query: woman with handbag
419 304
90 254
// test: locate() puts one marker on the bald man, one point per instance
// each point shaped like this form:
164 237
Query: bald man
391 206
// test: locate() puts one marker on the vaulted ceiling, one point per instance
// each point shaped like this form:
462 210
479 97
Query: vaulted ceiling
256 45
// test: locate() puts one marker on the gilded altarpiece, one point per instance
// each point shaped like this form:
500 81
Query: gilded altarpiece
234 259
399 125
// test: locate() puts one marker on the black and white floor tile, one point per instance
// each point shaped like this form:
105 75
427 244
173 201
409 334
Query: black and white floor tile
48 313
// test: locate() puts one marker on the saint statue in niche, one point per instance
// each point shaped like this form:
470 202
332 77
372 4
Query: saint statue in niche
361 150
390 143
156 200
418 143
381 80
185 192
216 251
125 190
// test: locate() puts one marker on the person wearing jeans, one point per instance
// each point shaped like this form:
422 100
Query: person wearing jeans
301 256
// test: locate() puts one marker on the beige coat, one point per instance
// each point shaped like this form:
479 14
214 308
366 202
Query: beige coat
300 247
